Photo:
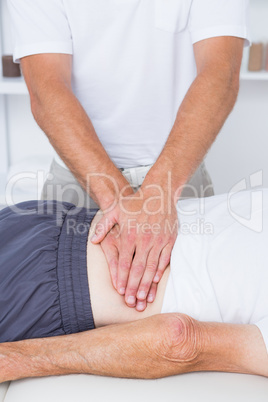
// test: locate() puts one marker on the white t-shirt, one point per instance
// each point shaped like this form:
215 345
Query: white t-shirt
133 60
219 264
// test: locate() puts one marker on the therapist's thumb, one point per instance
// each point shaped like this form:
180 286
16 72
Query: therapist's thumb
105 224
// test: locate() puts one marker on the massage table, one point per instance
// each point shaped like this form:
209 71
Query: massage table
193 387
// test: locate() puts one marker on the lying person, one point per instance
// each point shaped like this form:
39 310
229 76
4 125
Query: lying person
53 281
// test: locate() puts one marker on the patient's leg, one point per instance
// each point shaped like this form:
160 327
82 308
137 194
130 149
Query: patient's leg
169 344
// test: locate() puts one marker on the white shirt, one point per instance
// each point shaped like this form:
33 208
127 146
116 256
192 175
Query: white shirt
219 264
133 60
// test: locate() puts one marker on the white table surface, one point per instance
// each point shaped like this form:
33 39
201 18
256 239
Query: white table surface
194 387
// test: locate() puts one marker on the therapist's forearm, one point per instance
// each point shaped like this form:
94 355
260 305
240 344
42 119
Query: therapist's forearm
199 119
71 133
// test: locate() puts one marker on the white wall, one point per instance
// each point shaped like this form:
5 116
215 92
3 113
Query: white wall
239 151
26 138
241 148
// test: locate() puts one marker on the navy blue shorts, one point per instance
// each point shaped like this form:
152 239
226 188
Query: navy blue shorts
43 270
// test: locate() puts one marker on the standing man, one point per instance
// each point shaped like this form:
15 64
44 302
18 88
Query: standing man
131 92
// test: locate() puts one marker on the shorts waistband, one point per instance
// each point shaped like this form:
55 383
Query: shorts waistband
136 175
74 296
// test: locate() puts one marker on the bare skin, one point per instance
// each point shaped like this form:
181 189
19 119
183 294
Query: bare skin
169 344
200 117
107 305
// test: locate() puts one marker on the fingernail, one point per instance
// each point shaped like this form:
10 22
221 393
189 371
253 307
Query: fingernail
150 298
156 278
140 306
122 291
131 300
94 237
141 295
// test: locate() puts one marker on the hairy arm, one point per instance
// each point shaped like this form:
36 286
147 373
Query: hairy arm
68 127
200 117
169 344
234 348
203 111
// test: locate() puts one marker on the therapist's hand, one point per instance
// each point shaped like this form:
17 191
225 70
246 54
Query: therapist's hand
111 246
146 230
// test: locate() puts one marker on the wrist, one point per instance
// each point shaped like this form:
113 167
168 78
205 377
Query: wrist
39 358
164 186
22 360
108 191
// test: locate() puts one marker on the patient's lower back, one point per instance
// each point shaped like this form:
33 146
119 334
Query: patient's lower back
107 305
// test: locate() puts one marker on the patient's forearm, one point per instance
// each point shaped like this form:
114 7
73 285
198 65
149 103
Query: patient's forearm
234 348
169 344
125 350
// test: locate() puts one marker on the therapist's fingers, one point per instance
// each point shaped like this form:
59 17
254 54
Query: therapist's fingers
135 275
152 292
149 274
110 249
126 253
164 261
141 305
105 224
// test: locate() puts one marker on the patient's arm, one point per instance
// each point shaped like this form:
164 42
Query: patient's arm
169 344
234 348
